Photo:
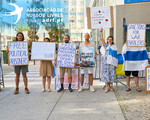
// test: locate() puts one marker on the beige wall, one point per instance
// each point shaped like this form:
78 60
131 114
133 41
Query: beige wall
134 13
116 2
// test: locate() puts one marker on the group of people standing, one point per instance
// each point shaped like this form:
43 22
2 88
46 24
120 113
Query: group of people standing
108 68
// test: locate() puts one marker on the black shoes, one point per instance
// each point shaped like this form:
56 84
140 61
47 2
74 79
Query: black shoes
61 89
70 89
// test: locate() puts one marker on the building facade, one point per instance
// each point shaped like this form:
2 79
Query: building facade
6 27
77 13
133 12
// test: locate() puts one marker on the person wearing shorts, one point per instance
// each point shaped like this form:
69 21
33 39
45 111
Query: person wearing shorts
135 75
62 70
46 71
18 69
87 43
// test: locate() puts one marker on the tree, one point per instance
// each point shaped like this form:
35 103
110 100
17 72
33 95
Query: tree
21 27
33 22
56 31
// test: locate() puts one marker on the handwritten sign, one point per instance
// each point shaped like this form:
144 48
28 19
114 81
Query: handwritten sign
43 51
100 17
18 53
147 79
66 55
136 35
75 80
87 56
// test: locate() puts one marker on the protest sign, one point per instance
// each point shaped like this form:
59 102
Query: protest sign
43 51
136 34
147 79
18 53
87 57
66 55
98 17
75 80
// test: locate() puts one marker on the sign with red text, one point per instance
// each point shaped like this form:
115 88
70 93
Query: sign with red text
100 17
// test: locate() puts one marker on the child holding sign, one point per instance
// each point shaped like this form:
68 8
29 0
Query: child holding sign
46 70
18 69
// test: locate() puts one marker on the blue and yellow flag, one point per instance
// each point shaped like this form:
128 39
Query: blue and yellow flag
119 70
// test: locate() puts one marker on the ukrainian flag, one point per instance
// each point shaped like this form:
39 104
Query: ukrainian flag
119 70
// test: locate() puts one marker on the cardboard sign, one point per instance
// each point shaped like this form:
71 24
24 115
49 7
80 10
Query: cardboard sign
75 80
147 79
66 55
43 51
18 53
98 17
87 57
136 34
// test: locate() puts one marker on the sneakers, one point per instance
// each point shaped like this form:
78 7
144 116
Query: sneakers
80 89
61 89
92 89
27 91
16 91
70 89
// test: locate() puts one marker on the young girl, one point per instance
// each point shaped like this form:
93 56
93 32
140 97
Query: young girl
46 70
18 69
109 62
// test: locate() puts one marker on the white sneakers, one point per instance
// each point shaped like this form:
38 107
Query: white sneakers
91 89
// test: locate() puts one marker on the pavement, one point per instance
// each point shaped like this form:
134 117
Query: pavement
55 106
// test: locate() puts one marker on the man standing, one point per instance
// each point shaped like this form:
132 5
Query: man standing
134 59
87 43
62 70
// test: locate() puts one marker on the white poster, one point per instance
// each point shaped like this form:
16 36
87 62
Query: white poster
148 79
18 53
101 17
136 35
43 51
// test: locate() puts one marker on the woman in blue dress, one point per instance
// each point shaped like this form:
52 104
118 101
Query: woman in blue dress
109 61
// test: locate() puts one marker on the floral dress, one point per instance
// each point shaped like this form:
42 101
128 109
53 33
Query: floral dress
108 72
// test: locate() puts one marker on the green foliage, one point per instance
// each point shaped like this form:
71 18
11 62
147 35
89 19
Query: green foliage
34 26
56 32
21 27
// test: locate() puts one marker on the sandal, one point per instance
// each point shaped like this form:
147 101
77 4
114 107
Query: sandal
138 89
128 89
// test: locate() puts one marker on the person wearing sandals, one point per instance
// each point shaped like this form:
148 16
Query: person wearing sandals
46 71
18 69
134 59
109 61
